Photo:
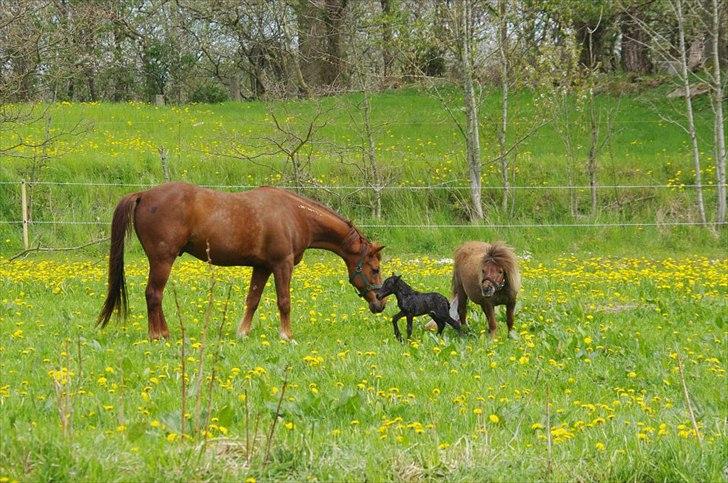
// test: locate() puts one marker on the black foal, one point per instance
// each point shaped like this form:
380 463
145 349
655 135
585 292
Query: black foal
412 303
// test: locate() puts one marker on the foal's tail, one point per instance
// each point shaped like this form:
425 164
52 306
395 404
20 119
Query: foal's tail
120 229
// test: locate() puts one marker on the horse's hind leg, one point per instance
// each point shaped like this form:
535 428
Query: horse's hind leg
158 275
282 276
257 283
460 301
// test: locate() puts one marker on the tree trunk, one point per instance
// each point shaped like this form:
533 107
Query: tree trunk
503 127
718 120
685 77
635 50
372 157
333 62
320 41
592 162
471 113
591 41
387 55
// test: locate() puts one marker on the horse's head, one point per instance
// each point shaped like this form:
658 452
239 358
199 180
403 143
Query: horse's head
388 287
364 275
492 277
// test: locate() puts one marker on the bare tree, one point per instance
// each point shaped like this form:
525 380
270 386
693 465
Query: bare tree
472 136
691 129
293 135
717 97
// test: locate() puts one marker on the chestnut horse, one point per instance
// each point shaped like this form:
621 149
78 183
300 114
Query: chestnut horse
265 228
487 274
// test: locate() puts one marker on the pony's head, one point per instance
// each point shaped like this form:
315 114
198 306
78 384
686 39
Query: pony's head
389 286
498 268
364 276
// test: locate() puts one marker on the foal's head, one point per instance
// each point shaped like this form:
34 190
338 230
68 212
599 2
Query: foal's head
492 277
390 286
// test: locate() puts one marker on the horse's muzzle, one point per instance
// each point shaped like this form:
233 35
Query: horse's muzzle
377 306
487 290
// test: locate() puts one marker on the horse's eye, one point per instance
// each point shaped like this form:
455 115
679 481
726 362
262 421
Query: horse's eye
375 271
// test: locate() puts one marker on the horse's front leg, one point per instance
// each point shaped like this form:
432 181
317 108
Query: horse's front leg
510 309
490 315
257 283
397 333
282 276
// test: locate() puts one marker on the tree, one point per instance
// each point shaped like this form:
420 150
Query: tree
717 100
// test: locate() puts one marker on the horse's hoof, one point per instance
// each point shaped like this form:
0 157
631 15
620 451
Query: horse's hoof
242 334
431 326
512 334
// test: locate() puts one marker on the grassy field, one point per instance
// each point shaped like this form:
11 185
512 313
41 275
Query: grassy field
602 339
416 141
622 331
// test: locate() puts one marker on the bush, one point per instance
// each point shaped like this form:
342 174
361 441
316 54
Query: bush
210 94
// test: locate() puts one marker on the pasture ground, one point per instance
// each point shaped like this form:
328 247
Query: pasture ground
600 339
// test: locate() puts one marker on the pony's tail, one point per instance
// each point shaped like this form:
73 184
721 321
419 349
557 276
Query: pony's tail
120 228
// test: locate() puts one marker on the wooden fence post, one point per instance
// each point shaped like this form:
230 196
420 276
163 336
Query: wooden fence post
24 206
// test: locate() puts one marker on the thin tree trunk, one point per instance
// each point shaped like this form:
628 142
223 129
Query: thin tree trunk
591 166
689 109
372 156
387 54
717 101
502 129
471 113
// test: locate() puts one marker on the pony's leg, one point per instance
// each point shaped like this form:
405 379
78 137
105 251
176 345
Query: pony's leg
282 276
510 309
158 275
257 283
490 315
462 306
397 333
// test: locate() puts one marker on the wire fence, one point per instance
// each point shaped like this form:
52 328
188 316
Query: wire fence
26 221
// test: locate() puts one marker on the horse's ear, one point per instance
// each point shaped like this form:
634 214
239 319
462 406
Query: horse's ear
377 248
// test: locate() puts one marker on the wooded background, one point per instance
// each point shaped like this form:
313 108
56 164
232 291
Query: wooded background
184 50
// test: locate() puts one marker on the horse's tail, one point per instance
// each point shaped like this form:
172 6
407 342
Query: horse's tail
120 228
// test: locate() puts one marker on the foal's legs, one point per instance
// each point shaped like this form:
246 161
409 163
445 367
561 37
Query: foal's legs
257 283
397 333
282 276
409 326
158 276
490 315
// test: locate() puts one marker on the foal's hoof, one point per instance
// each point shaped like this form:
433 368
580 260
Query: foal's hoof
512 334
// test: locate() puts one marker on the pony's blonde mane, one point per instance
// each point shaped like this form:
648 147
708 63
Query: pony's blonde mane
503 256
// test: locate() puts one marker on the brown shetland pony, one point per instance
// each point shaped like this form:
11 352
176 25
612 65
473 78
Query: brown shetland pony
266 228
488 275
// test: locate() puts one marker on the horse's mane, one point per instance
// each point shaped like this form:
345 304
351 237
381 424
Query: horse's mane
503 256
354 232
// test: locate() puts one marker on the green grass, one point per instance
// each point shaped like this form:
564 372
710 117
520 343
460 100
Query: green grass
598 337
415 138
605 315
